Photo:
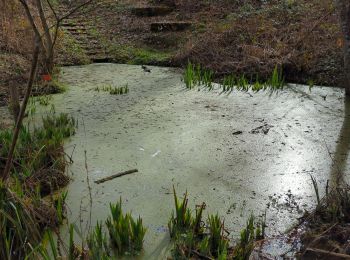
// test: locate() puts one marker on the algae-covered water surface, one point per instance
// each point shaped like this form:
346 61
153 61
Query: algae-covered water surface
238 153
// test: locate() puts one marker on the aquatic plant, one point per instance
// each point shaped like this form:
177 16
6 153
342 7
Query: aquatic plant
195 76
218 242
43 100
39 148
193 238
315 186
207 79
19 229
181 221
113 90
97 242
59 205
228 83
126 234
277 80
311 84
246 243
119 90
189 76
38 170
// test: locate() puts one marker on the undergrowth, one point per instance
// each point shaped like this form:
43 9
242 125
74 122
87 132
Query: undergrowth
113 90
38 169
126 234
39 150
327 227
195 238
125 237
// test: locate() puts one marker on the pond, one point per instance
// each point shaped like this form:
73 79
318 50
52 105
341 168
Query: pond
241 153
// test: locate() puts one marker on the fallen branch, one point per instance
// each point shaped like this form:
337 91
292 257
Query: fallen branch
201 256
314 253
116 176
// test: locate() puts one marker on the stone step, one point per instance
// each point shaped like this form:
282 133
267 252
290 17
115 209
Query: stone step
163 40
101 59
91 45
90 49
170 3
95 52
84 36
75 25
77 33
76 29
151 10
169 26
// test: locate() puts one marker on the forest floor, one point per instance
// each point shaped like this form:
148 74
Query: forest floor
240 37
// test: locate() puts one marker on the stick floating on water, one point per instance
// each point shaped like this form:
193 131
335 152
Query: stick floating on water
116 176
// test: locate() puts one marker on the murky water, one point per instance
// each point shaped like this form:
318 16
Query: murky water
239 153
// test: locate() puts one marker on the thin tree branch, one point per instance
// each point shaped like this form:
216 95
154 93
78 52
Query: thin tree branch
44 23
32 22
6 172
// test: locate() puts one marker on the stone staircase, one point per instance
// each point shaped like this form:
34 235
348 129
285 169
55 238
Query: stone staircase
158 27
81 27
162 8
164 27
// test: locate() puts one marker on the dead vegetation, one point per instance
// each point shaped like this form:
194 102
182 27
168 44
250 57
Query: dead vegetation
328 230
16 47
301 36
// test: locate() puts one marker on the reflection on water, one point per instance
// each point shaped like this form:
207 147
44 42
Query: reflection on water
200 152
337 175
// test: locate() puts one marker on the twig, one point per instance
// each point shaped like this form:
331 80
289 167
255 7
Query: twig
313 242
89 189
116 176
201 255
316 253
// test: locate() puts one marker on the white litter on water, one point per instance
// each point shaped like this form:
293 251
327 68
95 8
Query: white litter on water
156 153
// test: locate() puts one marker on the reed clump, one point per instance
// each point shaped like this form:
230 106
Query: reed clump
114 90
195 76
126 233
38 169
195 238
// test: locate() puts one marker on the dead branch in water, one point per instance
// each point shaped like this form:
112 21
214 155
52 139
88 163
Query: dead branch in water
116 176
313 253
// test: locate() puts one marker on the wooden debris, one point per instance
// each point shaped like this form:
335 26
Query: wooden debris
116 176
313 253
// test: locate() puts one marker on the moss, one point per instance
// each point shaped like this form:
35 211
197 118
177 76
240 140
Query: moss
135 55
69 51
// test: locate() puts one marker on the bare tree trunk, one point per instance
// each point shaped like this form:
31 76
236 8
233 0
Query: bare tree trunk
50 32
48 38
344 11
6 172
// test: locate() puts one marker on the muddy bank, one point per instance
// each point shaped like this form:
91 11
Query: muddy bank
240 153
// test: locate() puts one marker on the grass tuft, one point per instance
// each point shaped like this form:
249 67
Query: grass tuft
126 234
113 90
195 76
193 238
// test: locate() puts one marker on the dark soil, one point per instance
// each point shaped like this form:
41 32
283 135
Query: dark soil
328 228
